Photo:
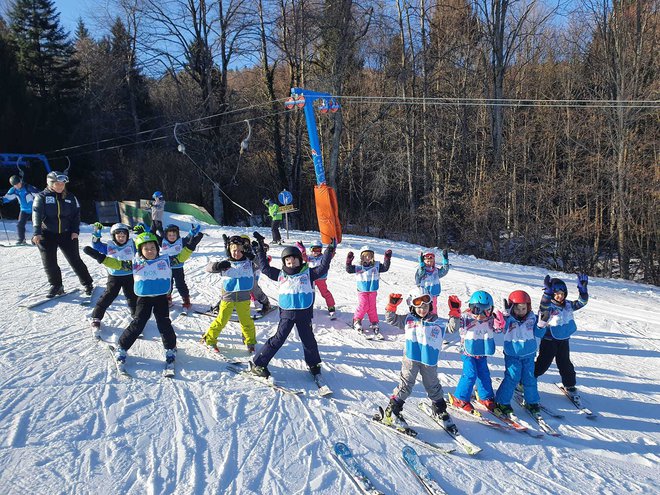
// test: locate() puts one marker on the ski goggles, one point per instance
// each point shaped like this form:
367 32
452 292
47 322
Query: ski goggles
316 250
429 256
420 301
61 178
481 309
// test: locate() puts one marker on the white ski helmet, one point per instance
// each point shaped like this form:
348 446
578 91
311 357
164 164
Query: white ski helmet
365 249
119 226
417 297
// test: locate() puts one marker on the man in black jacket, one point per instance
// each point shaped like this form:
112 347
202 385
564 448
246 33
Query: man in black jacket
56 223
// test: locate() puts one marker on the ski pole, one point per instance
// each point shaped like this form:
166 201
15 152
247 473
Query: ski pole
4 226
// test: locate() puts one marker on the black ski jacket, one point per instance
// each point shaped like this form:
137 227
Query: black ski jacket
55 213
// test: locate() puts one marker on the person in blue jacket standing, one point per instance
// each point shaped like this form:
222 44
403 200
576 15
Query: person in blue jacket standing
23 193
555 345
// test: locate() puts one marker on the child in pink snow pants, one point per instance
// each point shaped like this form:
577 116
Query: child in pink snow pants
313 260
368 276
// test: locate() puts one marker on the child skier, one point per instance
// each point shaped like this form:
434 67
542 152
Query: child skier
171 245
296 301
152 275
314 260
555 344
276 216
157 207
368 276
476 327
521 329
123 249
237 279
23 193
428 275
424 335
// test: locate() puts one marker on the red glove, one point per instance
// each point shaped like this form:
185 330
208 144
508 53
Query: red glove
454 306
395 300
349 258
499 322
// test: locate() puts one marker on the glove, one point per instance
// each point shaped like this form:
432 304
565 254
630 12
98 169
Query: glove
195 230
139 229
195 240
583 280
349 258
98 225
221 266
300 246
260 239
548 288
333 244
507 306
499 322
249 254
421 258
454 306
395 300
545 316
255 246
90 251
445 256
388 254
225 238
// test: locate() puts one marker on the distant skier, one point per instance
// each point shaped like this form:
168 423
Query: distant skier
23 193
368 277
157 207
555 345
428 275
56 224
315 259
296 301
119 246
152 275
423 341
276 216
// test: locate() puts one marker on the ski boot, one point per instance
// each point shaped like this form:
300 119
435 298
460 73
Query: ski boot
376 331
96 328
88 289
502 410
331 311
187 305
211 347
21 243
574 395
315 370
260 371
439 411
393 416
487 403
461 404
120 355
357 325
250 348
533 408
265 308
170 355
55 290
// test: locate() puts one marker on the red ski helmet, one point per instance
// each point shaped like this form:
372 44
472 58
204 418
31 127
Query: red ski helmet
520 297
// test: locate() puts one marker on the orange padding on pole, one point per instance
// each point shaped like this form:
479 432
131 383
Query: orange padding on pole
327 213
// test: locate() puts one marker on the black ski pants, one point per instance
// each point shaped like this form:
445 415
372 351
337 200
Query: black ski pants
302 319
560 351
69 247
179 279
275 230
161 311
112 288
20 226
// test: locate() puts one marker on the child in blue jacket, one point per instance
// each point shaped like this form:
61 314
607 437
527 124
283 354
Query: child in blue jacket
23 193
561 325
521 329
428 275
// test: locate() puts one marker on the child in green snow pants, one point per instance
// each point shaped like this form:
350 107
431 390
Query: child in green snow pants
243 312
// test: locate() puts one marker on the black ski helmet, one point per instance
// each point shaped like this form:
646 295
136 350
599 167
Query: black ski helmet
14 179
235 239
173 228
292 251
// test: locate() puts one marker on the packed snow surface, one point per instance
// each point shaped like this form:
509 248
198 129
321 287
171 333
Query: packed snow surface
68 424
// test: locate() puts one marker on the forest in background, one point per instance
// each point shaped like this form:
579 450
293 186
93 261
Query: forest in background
514 130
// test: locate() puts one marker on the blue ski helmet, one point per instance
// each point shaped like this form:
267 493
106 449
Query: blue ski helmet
157 195
480 303
316 245
558 285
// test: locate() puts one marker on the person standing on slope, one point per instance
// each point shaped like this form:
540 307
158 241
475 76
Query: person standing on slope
23 193
276 216
56 224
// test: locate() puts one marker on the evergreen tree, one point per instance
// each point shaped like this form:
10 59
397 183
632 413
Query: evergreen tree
43 50
13 99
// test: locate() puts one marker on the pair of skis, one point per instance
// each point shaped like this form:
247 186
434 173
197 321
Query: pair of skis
355 471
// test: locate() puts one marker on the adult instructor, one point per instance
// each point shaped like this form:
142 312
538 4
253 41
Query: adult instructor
56 223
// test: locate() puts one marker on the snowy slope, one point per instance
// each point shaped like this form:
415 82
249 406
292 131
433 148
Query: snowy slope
68 425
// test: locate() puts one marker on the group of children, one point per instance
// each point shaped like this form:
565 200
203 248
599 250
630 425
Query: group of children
147 267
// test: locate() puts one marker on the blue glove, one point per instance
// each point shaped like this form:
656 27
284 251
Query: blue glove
547 286
195 230
445 257
583 280
333 244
